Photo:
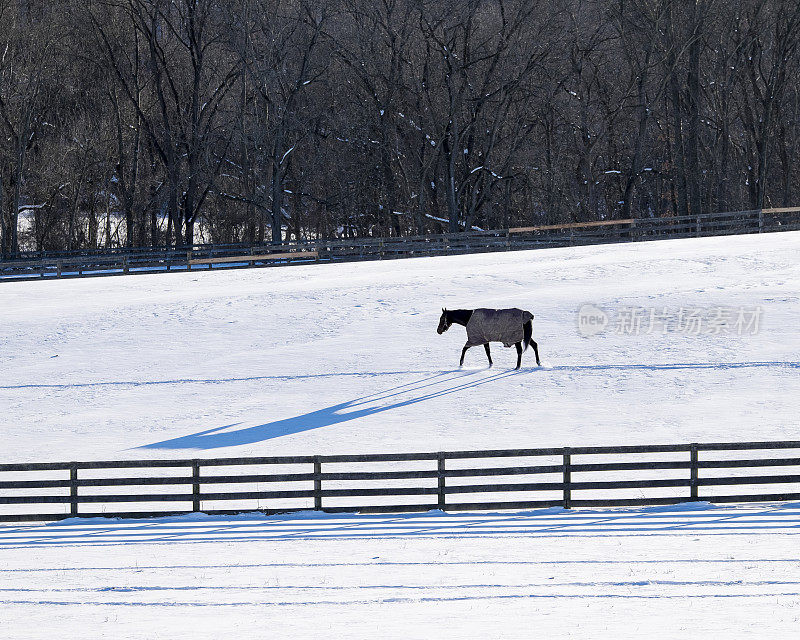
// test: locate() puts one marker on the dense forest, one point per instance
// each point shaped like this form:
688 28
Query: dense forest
167 122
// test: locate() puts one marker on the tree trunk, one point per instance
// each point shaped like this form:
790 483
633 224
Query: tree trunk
190 202
678 150
693 172
422 202
643 116
786 167
679 172
277 199
154 210
452 195
173 211
391 220
2 221
189 238
14 213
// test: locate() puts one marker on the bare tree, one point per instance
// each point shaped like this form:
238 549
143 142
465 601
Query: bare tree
168 121
27 57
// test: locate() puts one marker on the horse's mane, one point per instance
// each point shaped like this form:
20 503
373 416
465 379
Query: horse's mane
459 316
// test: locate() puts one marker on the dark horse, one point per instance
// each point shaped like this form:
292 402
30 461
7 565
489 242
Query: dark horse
509 326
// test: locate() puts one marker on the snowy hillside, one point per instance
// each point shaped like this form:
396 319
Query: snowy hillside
701 344
663 342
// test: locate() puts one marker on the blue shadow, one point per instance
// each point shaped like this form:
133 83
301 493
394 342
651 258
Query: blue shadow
230 436
690 519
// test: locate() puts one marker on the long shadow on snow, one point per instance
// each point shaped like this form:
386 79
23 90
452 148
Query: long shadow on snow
228 436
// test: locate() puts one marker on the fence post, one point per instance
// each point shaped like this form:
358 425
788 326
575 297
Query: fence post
317 484
73 488
125 264
195 485
441 477
58 268
693 472
189 260
760 220
567 478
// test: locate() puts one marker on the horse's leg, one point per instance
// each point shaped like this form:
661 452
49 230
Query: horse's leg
535 350
488 353
463 353
518 345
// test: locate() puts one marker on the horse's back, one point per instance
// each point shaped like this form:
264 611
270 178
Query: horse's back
497 325
513 314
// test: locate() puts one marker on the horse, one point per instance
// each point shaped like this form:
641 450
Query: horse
509 326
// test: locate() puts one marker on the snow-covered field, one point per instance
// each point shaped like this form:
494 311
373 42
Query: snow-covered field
701 344
648 573
345 358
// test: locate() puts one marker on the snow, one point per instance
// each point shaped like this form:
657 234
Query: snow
344 358
288 151
432 217
658 573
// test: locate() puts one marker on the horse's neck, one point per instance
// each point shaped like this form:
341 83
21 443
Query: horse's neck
460 316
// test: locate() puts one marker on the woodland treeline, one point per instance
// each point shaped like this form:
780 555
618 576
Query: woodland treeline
162 122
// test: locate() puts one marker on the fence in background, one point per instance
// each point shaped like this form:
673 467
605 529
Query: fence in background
35 266
400 482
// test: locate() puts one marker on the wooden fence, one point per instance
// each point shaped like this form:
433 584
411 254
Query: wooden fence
400 482
34 266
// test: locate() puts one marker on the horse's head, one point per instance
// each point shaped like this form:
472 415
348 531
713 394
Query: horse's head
444 322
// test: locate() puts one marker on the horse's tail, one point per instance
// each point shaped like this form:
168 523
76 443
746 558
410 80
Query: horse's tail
527 333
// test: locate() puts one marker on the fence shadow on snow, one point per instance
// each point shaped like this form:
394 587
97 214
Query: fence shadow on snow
692 519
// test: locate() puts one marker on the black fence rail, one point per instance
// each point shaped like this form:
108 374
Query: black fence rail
35 266
400 482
